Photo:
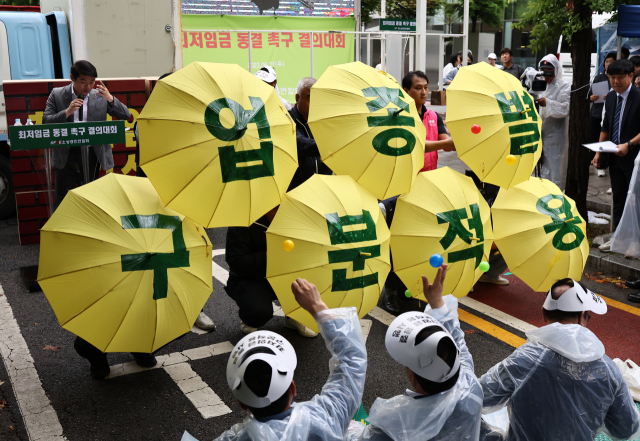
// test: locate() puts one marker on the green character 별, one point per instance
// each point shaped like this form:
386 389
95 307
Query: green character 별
230 160
356 255
527 135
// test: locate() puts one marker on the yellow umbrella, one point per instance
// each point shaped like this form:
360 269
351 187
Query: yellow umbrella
444 213
122 271
217 144
368 128
340 243
494 125
540 233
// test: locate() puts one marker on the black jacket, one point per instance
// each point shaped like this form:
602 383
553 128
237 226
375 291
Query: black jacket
596 108
309 161
630 126
246 252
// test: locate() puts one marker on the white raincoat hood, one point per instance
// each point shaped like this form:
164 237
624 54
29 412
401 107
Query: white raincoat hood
574 342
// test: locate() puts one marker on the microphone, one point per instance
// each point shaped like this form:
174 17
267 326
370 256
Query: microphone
81 110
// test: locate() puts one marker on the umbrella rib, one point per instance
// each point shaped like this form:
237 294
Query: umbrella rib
98 299
128 309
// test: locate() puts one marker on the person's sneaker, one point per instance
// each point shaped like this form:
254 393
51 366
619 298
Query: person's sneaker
204 322
498 281
601 173
246 329
609 191
145 360
389 301
302 329
605 247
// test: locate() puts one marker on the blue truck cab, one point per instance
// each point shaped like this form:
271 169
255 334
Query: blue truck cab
32 46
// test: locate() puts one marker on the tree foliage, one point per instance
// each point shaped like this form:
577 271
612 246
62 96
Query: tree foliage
20 2
409 10
487 11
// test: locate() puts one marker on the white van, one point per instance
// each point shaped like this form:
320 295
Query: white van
564 49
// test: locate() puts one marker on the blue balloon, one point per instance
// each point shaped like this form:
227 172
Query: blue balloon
436 260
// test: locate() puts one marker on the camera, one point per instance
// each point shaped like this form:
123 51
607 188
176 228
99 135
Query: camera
534 80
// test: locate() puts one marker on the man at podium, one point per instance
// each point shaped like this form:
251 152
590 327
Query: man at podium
79 102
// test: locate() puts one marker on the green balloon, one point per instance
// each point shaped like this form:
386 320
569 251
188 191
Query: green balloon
407 294
484 266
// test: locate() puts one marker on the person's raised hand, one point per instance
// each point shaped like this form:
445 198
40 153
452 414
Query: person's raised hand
433 293
307 296
104 92
75 105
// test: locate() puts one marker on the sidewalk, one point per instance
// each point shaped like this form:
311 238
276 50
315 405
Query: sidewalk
597 200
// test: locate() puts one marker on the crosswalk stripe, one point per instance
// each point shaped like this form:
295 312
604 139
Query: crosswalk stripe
40 419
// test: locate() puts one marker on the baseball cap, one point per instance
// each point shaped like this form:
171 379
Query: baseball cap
576 299
425 358
266 74
492 56
261 347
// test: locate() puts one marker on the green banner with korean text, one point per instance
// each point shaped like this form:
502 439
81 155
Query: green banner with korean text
49 136
226 39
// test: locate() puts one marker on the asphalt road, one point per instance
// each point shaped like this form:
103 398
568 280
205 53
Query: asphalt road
151 404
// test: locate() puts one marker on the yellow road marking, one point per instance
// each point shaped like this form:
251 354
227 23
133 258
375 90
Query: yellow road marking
616 304
491 329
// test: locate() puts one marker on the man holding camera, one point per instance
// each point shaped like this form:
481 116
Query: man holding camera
554 110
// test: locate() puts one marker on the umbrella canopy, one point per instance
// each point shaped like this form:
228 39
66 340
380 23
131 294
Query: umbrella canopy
540 233
122 271
444 213
217 144
491 117
368 128
340 244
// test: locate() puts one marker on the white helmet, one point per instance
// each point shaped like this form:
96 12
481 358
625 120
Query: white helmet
576 299
272 349
423 358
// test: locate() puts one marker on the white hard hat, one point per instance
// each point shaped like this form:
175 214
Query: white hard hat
266 74
422 358
492 56
272 349
576 299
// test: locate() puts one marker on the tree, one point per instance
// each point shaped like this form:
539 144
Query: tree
20 2
487 11
572 19
408 8
368 8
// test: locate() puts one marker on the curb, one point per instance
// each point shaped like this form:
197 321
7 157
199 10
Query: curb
602 263
599 207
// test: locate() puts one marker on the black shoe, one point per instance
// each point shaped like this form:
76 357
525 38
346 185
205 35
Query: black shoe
99 371
145 360
634 284
634 297
389 301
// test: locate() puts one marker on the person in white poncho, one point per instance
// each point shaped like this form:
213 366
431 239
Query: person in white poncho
554 110
260 375
446 400
560 385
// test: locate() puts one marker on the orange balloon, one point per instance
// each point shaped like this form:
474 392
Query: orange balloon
288 245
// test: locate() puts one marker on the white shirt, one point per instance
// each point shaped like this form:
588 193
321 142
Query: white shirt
85 106
624 96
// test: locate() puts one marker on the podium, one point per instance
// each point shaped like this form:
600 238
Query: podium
47 137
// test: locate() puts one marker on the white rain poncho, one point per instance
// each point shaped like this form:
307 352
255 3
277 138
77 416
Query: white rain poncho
327 415
561 386
451 415
555 126
626 239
